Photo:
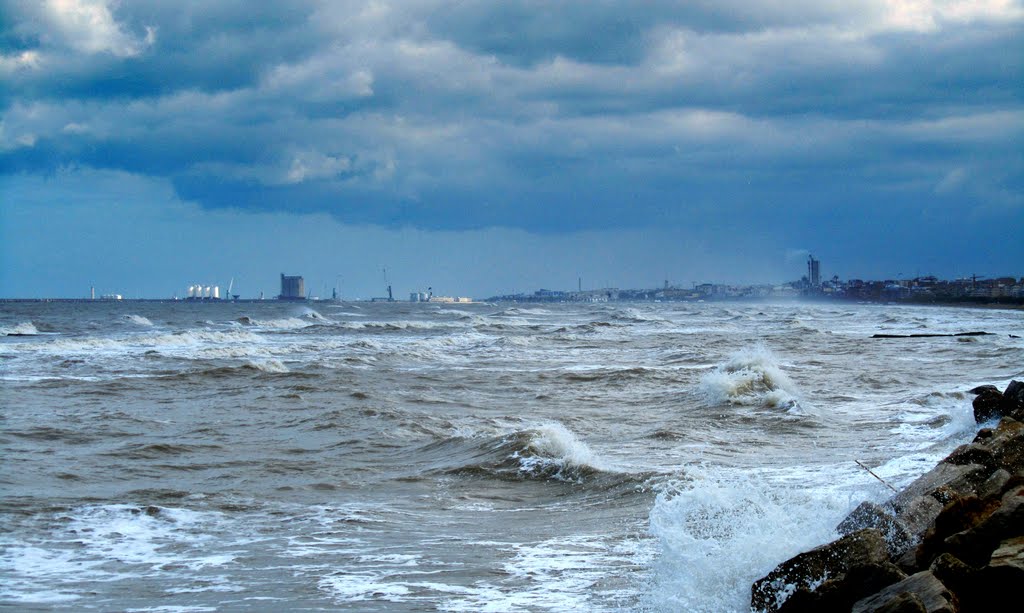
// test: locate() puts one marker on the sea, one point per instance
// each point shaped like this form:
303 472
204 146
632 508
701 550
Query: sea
264 456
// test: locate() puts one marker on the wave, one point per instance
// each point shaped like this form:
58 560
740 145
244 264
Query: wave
174 340
23 329
750 377
287 323
545 452
138 320
720 531
518 311
632 315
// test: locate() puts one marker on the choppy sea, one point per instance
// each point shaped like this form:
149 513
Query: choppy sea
481 457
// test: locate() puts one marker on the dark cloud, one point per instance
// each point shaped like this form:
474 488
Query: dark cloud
548 117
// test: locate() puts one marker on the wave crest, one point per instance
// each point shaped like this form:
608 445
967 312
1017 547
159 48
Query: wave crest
23 329
138 320
750 377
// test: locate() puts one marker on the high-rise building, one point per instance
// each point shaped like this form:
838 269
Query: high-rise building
813 271
292 288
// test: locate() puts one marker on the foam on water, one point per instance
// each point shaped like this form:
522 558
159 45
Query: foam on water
723 530
751 377
287 323
553 450
108 543
23 329
138 320
269 365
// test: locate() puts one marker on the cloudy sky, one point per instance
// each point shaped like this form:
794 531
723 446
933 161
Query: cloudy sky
489 147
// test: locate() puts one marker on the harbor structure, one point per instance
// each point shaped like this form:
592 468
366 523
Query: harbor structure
292 287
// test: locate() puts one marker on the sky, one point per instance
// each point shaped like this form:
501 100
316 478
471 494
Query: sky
483 148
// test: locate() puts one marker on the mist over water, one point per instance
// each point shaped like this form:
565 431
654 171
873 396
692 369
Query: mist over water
473 457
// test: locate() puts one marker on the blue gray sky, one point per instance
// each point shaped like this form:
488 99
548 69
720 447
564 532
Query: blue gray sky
490 147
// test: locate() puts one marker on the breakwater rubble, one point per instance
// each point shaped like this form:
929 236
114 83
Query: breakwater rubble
953 540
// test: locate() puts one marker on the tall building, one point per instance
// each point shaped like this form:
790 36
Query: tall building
813 271
292 288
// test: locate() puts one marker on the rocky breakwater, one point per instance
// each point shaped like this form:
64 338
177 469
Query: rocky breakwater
953 540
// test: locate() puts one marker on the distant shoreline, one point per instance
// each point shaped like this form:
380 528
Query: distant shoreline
1010 303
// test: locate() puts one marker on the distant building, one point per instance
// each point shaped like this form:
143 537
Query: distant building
292 288
813 271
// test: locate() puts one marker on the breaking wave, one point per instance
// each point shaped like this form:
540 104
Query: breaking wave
545 452
721 531
23 329
138 320
750 377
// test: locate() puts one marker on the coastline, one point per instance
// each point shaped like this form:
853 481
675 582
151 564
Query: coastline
952 540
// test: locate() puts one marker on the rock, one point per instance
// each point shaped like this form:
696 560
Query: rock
1013 399
937 483
898 538
904 602
983 388
933 595
974 453
840 593
1006 568
918 514
1006 521
983 434
1007 445
814 567
994 485
959 515
972 528
987 405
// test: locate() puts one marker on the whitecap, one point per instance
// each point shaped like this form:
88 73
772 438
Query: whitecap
23 329
720 532
750 377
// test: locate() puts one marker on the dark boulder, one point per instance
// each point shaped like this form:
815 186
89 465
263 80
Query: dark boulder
988 405
814 567
934 596
1013 399
897 536
983 388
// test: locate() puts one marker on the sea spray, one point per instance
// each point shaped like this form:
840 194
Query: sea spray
720 530
750 377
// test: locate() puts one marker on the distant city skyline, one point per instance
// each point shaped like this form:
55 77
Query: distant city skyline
488 148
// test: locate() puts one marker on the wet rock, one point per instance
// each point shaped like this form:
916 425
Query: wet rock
974 453
933 595
984 434
1005 571
994 485
898 538
840 593
987 405
982 389
1013 399
810 569
904 602
959 515
937 483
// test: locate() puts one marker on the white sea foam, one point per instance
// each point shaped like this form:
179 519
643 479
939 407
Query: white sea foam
269 366
750 377
23 329
722 531
108 543
556 451
136 342
287 323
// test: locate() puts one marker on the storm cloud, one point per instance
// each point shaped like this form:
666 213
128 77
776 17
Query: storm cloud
542 117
